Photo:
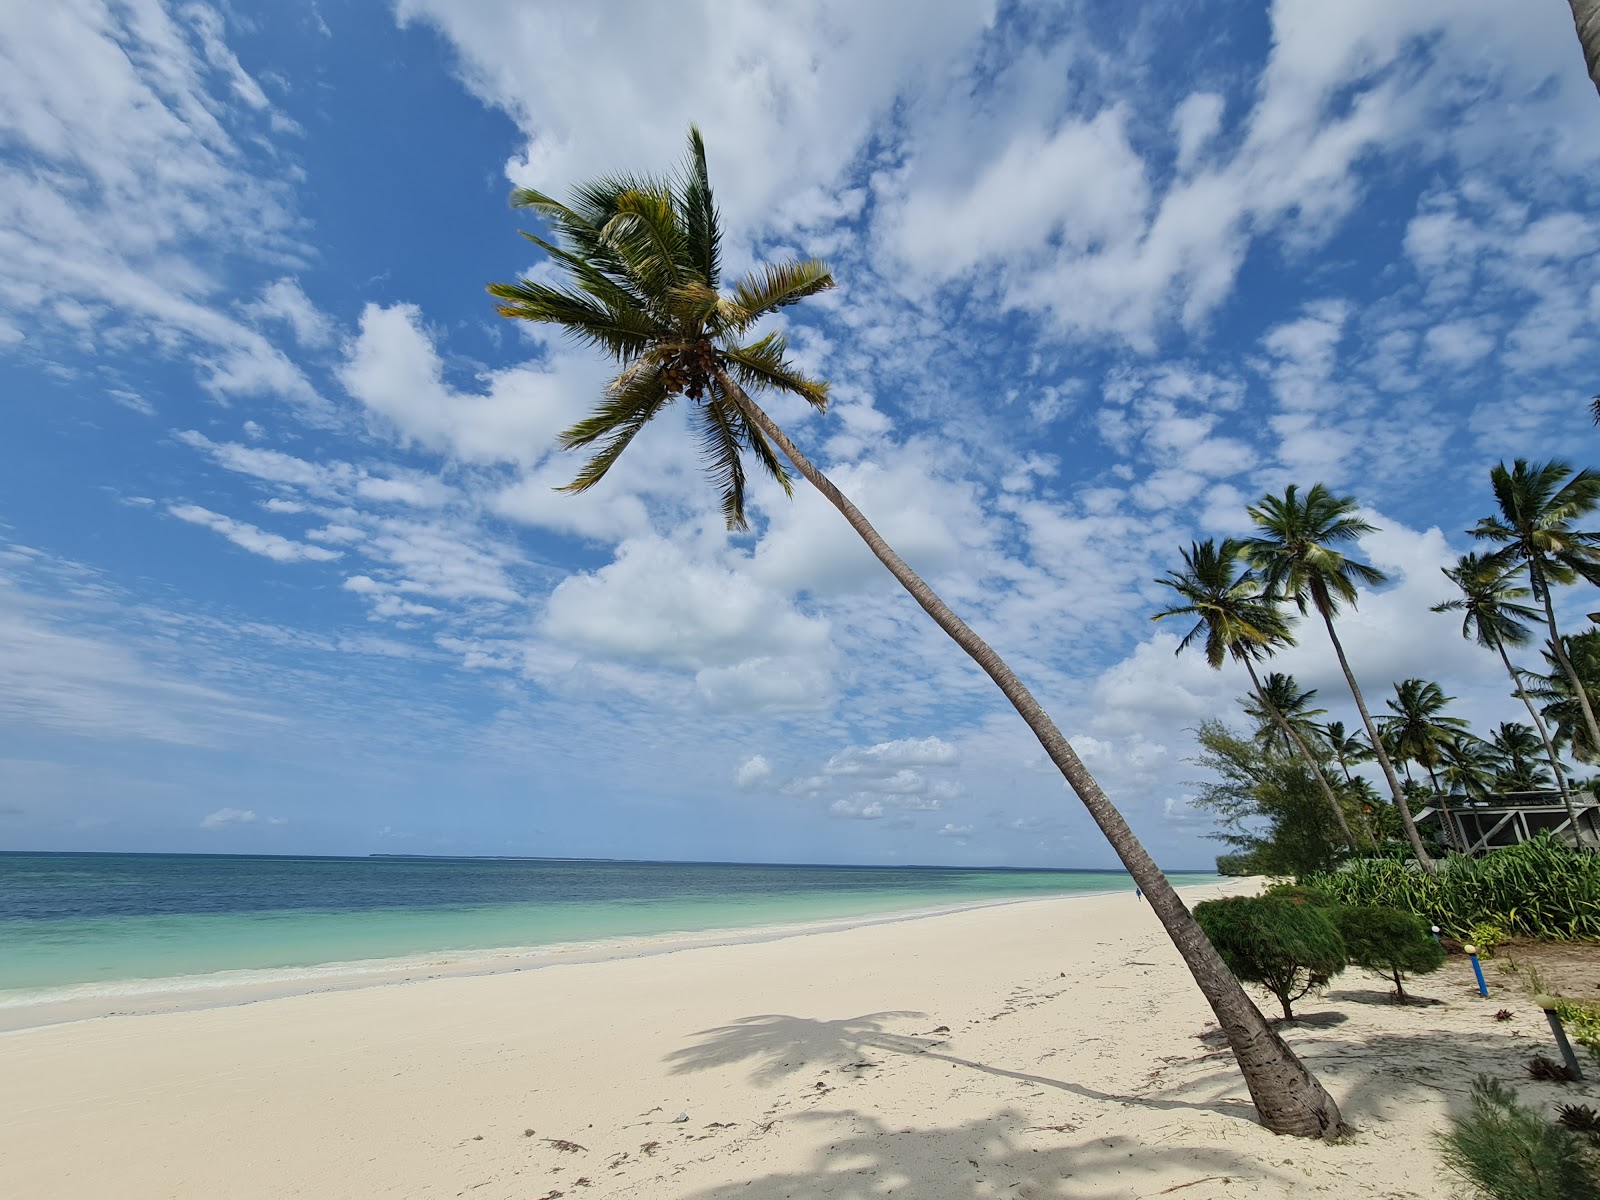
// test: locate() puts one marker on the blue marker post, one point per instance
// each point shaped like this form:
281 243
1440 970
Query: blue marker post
1549 1003
1436 940
1477 969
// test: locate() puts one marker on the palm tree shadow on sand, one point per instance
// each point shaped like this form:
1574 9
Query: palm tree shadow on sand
1001 1154
781 1045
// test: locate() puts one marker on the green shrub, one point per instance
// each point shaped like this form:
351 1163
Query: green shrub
1288 947
1388 941
1486 935
1541 889
1509 1153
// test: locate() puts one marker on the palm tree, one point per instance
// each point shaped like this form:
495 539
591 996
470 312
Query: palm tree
1516 749
1538 504
1470 764
1281 696
1241 622
642 266
1298 557
1419 732
1561 708
1586 18
1492 613
1347 748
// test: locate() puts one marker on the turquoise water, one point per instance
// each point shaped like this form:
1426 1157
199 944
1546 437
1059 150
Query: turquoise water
72 920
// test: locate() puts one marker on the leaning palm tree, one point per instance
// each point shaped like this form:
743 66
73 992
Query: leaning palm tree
1280 695
1298 556
1586 18
1419 732
1493 614
642 264
1538 504
1241 622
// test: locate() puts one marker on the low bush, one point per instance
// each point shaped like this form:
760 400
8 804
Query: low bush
1288 947
1389 942
1507 1152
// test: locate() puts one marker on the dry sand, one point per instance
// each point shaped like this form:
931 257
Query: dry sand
1047 1048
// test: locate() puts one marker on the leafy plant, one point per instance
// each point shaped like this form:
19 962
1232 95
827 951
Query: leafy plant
1288 947
1507 1152
1582 1021
1486 935
1541 888
1388 941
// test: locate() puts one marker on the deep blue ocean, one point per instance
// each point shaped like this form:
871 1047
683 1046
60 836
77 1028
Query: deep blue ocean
68 920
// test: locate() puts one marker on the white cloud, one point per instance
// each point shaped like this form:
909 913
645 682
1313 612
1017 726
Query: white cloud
657 603
753 771
252 538
226 817
888 759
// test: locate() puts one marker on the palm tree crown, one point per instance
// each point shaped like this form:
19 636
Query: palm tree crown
1419 731
1538 504
1237 618
1281 694
643 264
1297 553
1489 604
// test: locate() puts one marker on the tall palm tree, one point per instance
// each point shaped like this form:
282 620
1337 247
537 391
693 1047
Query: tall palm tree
1538 504
1471 765
1516 748
642 265
1586 18
1298 556
1493 614
1242 623
1419 732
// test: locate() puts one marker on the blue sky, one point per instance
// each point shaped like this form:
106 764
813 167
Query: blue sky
281 569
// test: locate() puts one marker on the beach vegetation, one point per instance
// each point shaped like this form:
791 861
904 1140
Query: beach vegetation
1300 550
1388 942
637 275
1237 618
1270 808
1506 1151
1542 888
1288 947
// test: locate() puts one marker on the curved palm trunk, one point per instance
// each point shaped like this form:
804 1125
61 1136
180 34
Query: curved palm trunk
1541 587
1287 1096
1311 764
1544 736
1424 859
1586 18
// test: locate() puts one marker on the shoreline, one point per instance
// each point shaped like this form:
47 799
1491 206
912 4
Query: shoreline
25 1009
1024 1049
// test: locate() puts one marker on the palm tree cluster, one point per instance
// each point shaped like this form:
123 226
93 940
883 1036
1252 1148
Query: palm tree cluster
1245 594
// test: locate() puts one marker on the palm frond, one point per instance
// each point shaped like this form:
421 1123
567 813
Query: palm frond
621 332
764 364
636 397
777 285
702 224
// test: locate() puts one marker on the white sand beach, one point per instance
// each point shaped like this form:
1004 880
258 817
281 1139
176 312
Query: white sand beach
1048 1048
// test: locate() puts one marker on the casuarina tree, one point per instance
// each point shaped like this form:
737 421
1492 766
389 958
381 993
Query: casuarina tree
642 282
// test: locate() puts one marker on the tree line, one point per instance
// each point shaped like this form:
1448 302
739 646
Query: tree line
1286 795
